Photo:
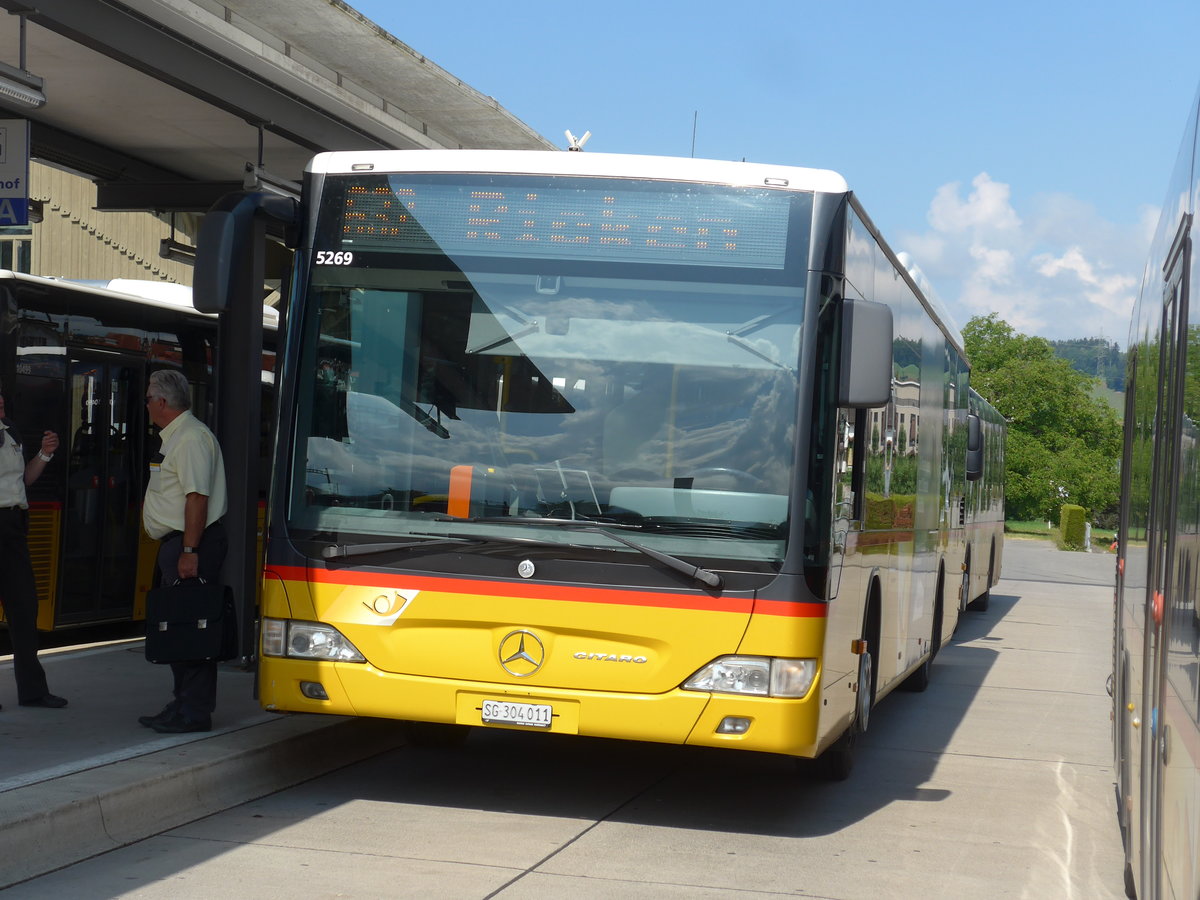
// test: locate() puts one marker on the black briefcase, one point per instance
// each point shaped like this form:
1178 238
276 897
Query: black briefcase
190 620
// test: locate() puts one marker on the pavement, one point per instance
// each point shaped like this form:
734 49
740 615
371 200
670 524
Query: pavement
83 780
78 782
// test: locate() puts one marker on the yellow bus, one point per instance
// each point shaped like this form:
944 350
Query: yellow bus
656 449
74 358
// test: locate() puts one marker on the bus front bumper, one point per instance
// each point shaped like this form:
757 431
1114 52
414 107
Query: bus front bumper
677 717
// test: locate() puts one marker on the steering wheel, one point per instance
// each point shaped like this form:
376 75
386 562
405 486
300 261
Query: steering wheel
744 479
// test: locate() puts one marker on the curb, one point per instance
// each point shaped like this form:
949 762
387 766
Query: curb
66 820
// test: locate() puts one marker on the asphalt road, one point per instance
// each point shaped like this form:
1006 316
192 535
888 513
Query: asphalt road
994 783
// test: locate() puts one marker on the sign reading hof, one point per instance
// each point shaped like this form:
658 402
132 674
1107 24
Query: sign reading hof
14 173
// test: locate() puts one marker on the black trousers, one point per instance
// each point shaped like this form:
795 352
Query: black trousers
195 684
18 595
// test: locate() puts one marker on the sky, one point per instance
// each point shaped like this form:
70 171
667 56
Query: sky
1019 152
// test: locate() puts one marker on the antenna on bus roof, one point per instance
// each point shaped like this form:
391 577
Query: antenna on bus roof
575 143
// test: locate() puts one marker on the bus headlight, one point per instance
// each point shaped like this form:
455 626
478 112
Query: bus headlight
758 676
307 640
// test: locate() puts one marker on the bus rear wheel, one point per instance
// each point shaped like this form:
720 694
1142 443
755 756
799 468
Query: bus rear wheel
919 680
980 604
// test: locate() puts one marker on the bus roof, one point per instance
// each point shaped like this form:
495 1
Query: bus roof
562 162
162 294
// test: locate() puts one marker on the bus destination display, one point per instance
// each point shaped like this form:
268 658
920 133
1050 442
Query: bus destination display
678 224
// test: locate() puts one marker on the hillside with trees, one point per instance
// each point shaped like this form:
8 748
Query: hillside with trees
1064 445
1097 357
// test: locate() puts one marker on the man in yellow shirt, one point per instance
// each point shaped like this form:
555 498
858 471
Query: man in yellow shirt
184 503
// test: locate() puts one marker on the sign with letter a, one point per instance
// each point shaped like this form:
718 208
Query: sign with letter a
14 173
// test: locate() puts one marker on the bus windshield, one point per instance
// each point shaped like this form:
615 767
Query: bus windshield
475 356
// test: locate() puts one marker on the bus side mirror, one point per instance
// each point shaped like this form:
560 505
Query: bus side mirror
230 248
866 360
215 262
974 448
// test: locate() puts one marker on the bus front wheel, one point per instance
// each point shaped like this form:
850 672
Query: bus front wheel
838 761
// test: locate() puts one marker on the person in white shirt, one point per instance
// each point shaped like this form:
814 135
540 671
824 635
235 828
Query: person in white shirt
184 503
18 589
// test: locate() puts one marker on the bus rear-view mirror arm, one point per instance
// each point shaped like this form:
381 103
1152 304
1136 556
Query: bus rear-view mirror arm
866 364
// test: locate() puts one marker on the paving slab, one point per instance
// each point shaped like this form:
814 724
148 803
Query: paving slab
88 778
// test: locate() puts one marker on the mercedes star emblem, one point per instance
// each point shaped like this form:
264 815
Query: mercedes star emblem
521 653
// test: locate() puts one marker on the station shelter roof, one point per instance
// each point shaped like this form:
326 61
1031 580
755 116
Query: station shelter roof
168 104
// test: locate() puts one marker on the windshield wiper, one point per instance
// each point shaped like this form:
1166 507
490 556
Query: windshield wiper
546 520
344 551
704 576
699 573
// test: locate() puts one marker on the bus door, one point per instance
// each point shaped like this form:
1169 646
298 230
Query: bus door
101 519
1161 552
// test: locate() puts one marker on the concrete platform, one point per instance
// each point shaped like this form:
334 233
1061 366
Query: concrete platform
997 782
79 781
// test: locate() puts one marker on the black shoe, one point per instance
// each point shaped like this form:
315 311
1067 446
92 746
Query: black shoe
181 724
49 701
161 716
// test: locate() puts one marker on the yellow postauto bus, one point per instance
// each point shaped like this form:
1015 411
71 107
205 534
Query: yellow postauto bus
658 449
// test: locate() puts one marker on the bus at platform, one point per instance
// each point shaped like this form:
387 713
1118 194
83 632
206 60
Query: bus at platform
1155 682
654 449
74 359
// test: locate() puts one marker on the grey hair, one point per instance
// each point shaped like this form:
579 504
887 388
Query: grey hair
173 387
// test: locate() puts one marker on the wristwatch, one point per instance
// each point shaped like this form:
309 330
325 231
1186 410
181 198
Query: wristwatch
189 550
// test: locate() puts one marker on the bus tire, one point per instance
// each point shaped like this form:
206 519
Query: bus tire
919 680
838 761
980 604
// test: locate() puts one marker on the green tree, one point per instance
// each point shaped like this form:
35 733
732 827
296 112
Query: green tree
1063 444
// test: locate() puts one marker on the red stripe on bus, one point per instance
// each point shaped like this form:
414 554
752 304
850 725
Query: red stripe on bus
532 591
790 608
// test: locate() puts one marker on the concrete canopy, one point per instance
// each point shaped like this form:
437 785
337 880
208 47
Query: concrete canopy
167 103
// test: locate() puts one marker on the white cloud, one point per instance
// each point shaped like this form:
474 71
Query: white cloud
994 265
1055 269
1108 291
986 209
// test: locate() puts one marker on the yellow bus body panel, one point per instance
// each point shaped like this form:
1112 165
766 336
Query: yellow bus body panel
611 669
